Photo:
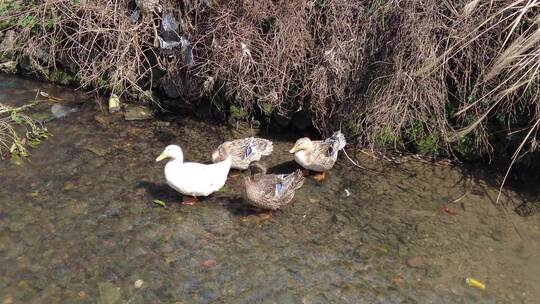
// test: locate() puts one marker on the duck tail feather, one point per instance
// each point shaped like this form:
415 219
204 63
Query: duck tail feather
298 179
268 148
340 138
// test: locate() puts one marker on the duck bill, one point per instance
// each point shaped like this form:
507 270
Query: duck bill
294 149
161 157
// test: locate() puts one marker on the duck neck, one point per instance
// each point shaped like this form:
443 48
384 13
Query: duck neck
178 158
228 160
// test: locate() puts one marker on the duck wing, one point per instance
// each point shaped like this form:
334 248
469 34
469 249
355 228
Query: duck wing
273 190
247 150
252 148
325 152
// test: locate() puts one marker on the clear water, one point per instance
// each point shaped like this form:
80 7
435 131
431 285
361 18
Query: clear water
77 224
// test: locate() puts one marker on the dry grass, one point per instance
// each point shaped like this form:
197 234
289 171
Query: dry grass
402 71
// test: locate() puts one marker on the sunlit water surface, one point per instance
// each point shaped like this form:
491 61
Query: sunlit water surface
78 225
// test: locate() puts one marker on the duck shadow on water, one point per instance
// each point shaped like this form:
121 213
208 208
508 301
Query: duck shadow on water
160 191
284 168
163 192
237 206
234 204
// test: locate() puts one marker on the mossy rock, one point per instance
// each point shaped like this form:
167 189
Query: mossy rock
61 77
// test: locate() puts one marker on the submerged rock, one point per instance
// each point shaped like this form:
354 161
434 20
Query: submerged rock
103 121
108 293
416 262
137 113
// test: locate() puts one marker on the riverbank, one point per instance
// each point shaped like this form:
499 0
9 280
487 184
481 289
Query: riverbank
422 77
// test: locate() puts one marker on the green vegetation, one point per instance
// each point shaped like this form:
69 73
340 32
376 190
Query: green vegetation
386 139
17 131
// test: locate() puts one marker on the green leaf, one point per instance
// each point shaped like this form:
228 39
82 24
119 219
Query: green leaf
160 202
16 118
34 143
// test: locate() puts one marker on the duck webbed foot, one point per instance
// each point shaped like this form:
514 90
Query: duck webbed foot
265 215
320 176
189 200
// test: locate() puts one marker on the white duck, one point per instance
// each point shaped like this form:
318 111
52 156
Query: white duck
194 179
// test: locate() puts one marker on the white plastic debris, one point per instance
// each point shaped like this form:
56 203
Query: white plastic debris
169 23
114 103
347 193
135 16
138 284
59 111
167 45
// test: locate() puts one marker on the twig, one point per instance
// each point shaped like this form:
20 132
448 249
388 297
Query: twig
352 161
6 109
515 156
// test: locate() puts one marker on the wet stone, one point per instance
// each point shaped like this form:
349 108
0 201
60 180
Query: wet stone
379 227
465 236
416 261
103 121
16 226
137 113
31 237
68 186
497 235
99 151
108 293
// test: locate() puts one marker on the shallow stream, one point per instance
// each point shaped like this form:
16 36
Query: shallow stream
78 225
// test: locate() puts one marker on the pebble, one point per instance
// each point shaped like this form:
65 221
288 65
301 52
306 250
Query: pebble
68 186
108 293
8 300
497 235
209 263
138 284
416 262
97 150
